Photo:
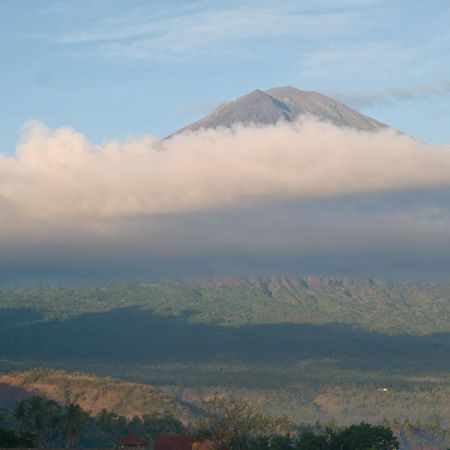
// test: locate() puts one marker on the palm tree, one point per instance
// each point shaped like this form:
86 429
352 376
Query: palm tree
75 420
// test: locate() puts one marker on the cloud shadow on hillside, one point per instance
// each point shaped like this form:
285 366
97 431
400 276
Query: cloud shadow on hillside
138 336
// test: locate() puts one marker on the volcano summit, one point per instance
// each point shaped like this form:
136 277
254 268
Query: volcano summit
284 104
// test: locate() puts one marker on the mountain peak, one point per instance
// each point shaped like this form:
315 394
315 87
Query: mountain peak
285 103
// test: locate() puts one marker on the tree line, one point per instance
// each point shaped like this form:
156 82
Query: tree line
232 424
43 423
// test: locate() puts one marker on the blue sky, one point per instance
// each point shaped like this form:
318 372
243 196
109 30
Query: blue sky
89 190
112 69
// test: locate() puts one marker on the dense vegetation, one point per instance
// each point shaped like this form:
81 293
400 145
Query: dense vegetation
393 307
41 422
230 423
312 348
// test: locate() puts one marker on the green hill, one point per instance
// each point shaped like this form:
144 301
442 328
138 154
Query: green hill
386 306
311 348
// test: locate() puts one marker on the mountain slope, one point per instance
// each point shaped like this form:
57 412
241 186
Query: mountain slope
285 104
307 347
91 392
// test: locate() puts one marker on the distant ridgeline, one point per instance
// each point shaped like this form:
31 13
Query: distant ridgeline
311 348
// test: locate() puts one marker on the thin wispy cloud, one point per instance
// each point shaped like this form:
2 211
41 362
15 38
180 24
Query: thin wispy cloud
377 56
395 94
367 59
141 35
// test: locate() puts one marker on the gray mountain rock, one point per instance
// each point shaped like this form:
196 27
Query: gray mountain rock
285 104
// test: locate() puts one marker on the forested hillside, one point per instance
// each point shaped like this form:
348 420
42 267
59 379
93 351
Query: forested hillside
312 348
92 393
392 307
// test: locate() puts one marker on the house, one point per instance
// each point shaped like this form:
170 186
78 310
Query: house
132 442
176 442
208 444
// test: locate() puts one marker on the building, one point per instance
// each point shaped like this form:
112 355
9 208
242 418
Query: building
132 442
177 442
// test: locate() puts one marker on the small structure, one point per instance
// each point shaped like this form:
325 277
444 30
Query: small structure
208 444
132 442
176 442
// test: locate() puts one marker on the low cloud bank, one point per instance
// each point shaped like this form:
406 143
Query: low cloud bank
58 173
307 197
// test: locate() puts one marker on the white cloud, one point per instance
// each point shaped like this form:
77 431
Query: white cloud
61 174
306 194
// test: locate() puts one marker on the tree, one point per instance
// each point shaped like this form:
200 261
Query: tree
109 427
232 423
42 418
314 441
166 423
75 421
259 443
11 439
279 442
7 419
366 437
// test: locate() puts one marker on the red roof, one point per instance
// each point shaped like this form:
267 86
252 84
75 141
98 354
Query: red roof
131 441
209 444
177 442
